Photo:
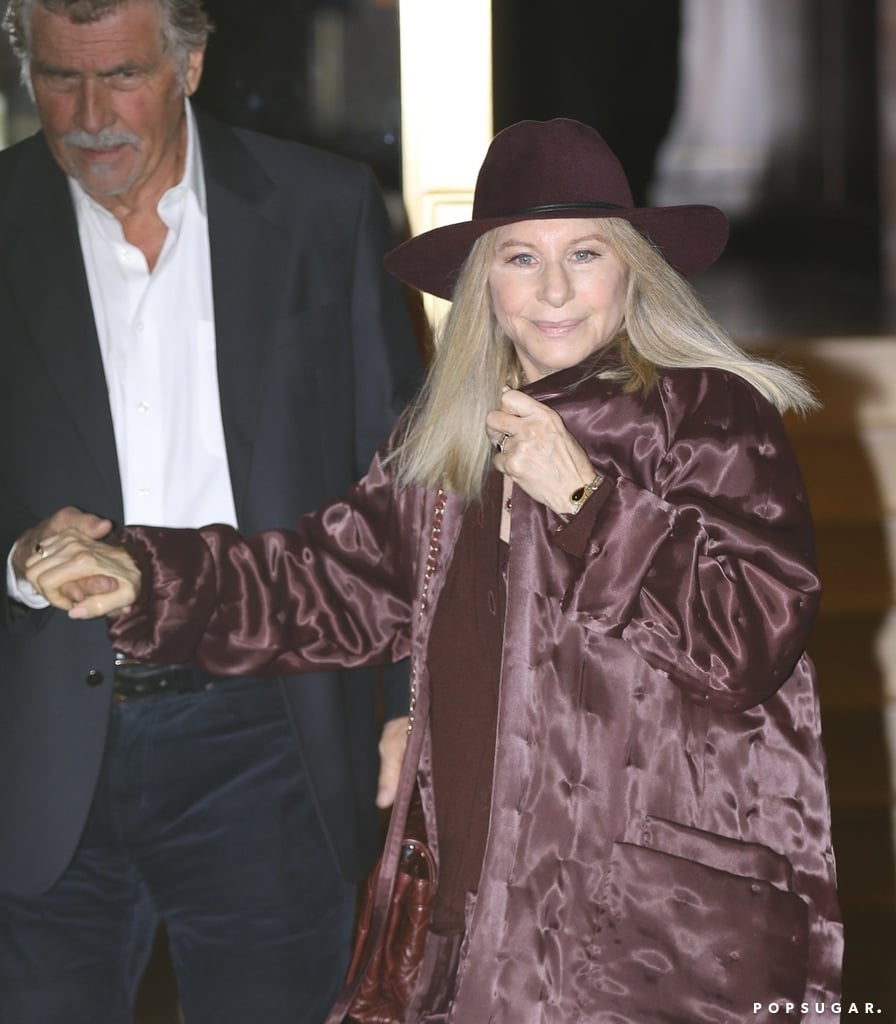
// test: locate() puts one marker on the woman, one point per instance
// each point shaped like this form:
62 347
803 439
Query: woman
591 534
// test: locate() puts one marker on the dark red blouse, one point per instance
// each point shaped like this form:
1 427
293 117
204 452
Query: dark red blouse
464 659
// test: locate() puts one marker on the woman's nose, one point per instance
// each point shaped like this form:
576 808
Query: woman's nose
555 285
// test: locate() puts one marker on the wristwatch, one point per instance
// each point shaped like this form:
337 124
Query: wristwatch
581 494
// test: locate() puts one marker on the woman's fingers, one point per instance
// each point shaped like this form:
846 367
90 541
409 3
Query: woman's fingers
73 571
95 607
534 448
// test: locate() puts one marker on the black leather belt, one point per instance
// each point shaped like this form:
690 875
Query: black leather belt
135 679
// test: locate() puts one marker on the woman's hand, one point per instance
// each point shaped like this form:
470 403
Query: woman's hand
393 742
539 453
85 577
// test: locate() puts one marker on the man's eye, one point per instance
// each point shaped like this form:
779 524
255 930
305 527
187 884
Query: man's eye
59 80
124 78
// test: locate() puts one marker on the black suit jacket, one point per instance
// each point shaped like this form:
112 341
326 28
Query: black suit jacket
316 358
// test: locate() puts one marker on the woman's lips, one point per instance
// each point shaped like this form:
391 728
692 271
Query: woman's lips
556 328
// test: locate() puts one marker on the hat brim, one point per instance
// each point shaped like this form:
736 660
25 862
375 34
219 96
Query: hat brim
691 238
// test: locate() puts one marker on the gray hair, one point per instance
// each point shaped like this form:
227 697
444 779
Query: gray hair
185 25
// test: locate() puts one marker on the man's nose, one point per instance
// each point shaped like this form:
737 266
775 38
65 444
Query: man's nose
94 111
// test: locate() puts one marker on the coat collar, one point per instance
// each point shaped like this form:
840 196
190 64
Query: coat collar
562 382
249 255
42 257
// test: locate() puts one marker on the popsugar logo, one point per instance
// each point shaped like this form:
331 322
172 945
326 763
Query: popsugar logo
787 1008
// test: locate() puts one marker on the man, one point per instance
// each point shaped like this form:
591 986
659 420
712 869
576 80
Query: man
195 327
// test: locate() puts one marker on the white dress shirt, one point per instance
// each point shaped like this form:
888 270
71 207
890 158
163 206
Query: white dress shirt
157 339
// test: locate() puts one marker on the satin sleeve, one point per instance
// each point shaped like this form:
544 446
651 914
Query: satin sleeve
334 592
705 564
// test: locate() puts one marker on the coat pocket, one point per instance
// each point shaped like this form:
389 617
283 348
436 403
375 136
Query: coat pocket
696 927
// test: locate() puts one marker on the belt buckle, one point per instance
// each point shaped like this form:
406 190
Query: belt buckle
133 689
118 696
123 659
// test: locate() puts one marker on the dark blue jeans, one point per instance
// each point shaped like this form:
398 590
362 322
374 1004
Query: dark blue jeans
202 817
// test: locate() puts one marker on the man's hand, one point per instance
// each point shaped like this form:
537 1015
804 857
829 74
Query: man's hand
66 518
103 577
392 747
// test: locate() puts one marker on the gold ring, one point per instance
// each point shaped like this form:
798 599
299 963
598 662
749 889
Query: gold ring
499 444
38 550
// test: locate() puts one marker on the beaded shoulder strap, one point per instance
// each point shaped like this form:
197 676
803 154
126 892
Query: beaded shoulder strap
432 562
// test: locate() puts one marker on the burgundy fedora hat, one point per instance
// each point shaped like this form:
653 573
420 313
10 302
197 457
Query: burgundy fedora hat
555 169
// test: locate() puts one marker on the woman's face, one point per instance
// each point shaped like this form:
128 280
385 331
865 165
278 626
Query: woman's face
557 290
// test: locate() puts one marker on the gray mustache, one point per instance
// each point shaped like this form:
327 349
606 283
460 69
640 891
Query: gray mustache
106 139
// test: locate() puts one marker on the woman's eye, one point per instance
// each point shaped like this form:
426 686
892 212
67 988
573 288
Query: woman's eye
584 255
523 259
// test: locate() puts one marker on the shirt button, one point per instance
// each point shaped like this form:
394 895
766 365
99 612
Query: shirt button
138 327
143 491
143 407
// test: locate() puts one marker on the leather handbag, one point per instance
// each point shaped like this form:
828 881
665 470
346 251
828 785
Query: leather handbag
385 986
392 926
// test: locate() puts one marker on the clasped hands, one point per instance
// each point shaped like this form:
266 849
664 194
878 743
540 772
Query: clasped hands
76 569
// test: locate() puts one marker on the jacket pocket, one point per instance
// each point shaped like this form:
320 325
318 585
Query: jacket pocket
694 927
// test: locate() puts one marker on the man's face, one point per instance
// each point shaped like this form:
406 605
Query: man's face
111 100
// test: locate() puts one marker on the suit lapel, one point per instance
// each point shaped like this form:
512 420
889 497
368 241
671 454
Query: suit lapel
249 251
42 260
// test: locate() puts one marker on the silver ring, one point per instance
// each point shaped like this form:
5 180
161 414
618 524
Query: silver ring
38 550
499 444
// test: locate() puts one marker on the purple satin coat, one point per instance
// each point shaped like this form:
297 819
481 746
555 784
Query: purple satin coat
659 846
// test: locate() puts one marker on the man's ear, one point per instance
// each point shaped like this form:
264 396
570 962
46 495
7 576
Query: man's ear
195 61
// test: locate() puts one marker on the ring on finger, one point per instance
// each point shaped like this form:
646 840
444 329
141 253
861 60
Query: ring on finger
499 444
38 550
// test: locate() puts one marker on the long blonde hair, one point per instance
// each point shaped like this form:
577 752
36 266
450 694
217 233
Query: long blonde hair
665 325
